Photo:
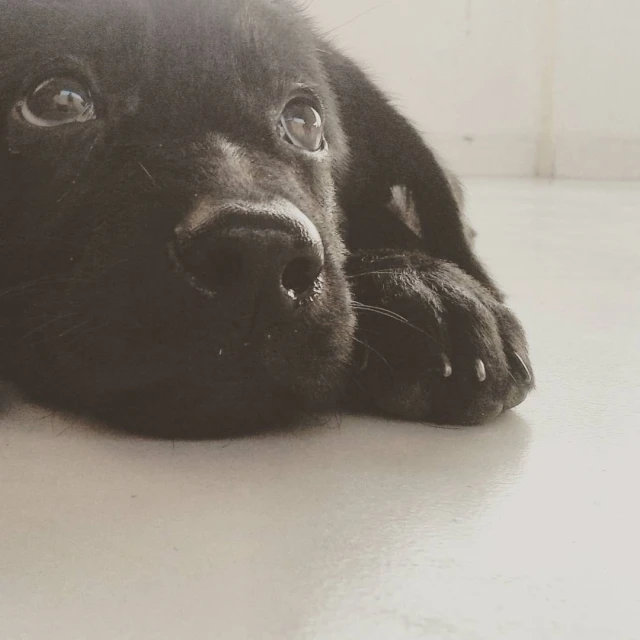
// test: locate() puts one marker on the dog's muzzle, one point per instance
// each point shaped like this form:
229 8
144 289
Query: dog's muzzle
265 262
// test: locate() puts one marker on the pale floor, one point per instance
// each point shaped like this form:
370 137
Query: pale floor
527 528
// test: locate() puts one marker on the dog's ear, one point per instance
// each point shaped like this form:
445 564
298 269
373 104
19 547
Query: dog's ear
393 174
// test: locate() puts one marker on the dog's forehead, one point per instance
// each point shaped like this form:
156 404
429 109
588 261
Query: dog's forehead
262 46
246 45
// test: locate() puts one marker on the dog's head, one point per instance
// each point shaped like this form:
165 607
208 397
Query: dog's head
170 250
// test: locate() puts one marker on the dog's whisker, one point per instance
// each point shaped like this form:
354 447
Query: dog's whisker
73 329
381 311
374 273
72 336
48 323
45 281
44 241
395 316
352 20
371 349
28 287
151 178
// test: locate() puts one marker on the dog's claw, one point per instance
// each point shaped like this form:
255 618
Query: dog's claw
448 369
525 369
481 370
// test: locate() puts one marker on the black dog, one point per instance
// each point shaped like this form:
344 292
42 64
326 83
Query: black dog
211 222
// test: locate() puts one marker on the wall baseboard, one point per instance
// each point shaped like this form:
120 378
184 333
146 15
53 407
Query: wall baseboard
487 155
577 156
597 158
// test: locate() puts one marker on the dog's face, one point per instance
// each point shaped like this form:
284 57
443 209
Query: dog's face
170 235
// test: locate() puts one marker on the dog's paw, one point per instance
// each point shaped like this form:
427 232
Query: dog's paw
434 344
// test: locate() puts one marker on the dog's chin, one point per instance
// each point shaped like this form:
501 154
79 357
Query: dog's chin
198 413
209 394
198 410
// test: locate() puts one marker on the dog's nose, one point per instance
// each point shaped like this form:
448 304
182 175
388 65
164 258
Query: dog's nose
266 259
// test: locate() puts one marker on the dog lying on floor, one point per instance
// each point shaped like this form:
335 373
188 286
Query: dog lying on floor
213 223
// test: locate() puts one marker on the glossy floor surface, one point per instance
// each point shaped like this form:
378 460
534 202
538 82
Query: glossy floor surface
527 528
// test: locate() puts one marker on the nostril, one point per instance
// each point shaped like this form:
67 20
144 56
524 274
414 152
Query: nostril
301 275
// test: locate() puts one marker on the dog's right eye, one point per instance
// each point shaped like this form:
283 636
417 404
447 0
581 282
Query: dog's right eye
302 125
57 101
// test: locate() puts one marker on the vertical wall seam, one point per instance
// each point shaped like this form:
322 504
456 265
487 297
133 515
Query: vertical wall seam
546 151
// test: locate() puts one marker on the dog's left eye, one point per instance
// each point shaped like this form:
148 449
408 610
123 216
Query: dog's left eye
57 101
303 126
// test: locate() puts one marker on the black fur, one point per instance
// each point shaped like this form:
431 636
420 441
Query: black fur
94 315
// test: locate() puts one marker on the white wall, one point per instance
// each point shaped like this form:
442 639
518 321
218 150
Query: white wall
597 88
507 87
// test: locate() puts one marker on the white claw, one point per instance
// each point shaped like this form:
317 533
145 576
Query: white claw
448 369
481 370
524 367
